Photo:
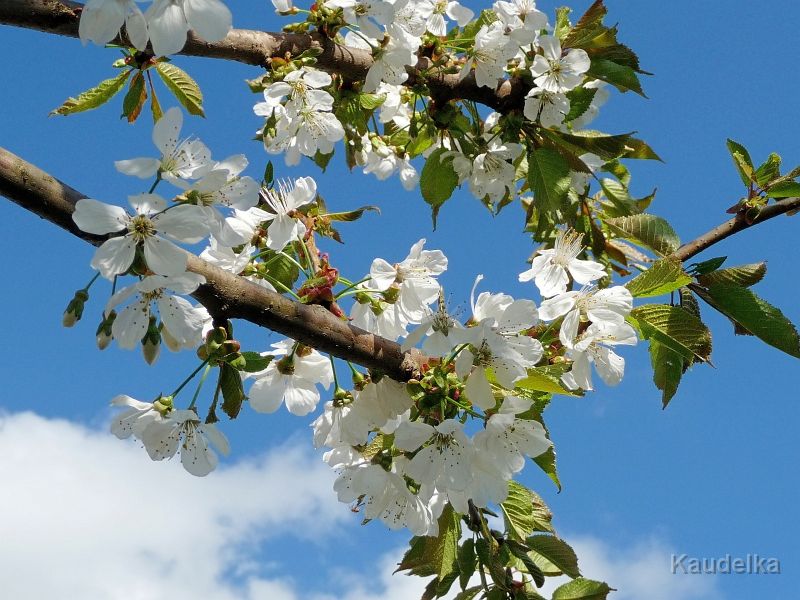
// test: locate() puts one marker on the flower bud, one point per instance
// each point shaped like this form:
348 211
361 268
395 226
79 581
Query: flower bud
74 310
151 342
103 334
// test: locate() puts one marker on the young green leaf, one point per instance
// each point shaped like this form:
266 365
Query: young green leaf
668 368
665 276
755 315
255 362
622 77
743 275
94 97
768 171
438 180
524 512
547 463
548 177
467 562
430 555
135 98
742 161
646 230
182 86
232 393
674 327
553 555
582 589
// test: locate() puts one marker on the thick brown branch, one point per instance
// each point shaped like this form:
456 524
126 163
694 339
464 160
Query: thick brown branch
259 47
734 225
224 293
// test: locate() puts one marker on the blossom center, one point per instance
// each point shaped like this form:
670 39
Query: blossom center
141 227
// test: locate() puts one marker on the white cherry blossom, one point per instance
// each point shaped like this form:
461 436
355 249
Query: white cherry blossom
522 19
439 9
137 416
162 439
608 306
547 108
556 73
169 21
180 159
292 380
182 322
491 53
446 458
592 346
101 21
145 228
550 267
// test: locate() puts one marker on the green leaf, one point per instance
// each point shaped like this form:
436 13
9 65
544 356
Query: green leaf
135 98
707 266
469 594
352 215
588 27
580 99
94 97
664 276
322 160
419 143
281 269
371 101
742 161
607 147
438 180
524 512
520 551
769 170
646 230
430 555
743 275
183 87
553 555
622 77
232 393
155 105
668 368
562 22
467 562
755 315
784 189
582 589
255 362
269 173
547 463
548 177
617 194
674 327
540 380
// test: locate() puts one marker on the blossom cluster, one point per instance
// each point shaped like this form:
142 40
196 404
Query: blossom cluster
514 39
165 24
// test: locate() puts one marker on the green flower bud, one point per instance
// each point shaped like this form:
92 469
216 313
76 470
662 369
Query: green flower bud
74 310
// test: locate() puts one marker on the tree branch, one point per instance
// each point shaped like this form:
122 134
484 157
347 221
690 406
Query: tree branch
259 48
223 293
734 225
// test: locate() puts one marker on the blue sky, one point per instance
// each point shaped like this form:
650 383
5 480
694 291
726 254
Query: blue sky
714 474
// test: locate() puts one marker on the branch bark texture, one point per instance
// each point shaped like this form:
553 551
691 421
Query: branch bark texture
258 48
223 294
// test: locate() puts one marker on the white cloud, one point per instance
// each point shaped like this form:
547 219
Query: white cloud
83 515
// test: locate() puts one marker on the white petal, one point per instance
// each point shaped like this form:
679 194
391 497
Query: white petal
163 257
131 324
114 256
167 131
478 389
143 168
99 218
167 25
210 19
